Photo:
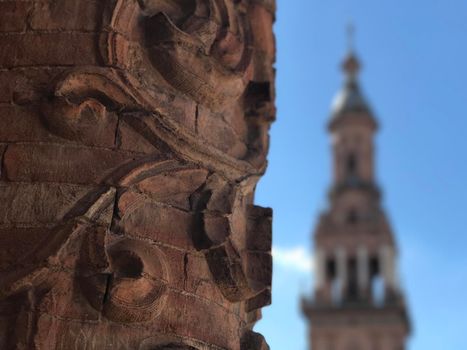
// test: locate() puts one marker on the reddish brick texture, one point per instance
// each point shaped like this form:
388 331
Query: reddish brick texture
132 136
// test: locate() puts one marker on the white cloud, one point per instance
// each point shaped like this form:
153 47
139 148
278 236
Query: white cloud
296 258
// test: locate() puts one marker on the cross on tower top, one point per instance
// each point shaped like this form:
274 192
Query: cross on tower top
351 65
350 36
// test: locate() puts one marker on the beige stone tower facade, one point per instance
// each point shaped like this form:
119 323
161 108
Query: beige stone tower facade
358 303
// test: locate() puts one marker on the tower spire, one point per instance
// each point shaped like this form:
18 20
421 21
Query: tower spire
351 64
350 36
350 98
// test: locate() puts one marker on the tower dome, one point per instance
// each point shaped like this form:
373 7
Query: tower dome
350 100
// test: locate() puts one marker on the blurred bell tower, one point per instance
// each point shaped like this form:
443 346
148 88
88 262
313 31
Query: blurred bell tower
357 302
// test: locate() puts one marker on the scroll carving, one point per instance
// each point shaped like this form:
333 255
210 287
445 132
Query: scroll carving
204 52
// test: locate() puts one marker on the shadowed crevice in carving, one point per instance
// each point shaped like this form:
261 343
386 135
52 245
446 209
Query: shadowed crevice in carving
84 203
115 220
3 149
258 92
128 265
108 284
197 118
253 341
135 120
117 137
198 202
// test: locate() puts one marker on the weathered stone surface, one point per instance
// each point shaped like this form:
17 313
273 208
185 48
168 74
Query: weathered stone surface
39 203
15 14
132 136
61 163
26 86
19 241
144 218
85 15
128 139
221 134
21 124
20 49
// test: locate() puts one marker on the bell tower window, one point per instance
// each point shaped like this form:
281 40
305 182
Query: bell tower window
377 282
330 269
352 291
352 217
351 164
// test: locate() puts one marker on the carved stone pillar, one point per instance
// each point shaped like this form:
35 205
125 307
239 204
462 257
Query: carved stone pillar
320 268
387 259
363 270
132 136
341 275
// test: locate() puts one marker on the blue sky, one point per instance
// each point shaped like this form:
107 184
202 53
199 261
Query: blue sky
415 76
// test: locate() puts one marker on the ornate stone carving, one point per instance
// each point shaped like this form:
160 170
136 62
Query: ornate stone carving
201 48
129 157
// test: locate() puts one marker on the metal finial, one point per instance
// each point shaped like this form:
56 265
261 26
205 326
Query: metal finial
350 36
351 65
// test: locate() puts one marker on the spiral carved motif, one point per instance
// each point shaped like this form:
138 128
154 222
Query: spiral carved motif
205 51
